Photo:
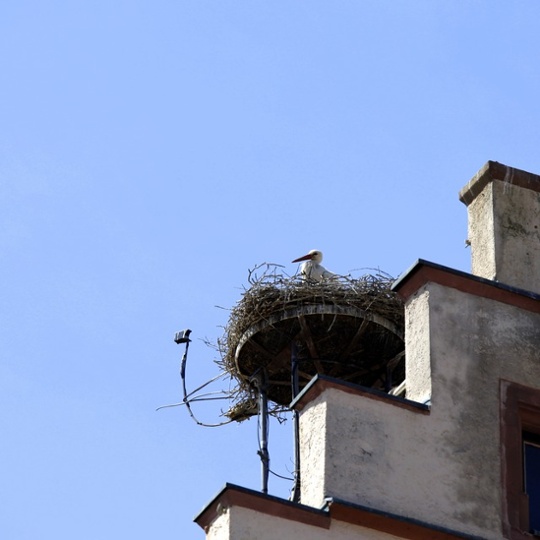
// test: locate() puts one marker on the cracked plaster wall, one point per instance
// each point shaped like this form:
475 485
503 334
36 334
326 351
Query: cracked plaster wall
442 468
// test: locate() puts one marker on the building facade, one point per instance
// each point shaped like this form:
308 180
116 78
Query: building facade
459 455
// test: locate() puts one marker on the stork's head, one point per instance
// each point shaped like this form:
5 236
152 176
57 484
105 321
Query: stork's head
314 255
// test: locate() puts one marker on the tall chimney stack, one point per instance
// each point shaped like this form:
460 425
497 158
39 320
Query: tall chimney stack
503 206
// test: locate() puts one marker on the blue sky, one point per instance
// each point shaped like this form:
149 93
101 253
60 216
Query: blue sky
151 153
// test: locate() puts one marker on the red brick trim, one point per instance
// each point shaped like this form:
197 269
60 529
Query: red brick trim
401 527
520 410
232 495
497 171
423 272
321 383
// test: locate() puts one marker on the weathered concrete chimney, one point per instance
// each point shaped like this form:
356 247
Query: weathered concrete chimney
504 225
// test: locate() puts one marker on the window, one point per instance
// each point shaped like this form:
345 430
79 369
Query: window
531 478
520 463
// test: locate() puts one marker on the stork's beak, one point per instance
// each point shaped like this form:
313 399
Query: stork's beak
304 258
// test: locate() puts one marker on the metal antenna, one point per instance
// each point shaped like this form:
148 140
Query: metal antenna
183 337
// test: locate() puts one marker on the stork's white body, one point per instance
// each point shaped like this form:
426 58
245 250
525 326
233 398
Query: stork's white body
312 269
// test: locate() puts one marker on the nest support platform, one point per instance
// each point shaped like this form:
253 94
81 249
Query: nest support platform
344 342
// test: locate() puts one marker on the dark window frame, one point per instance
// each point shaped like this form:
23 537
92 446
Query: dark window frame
520 413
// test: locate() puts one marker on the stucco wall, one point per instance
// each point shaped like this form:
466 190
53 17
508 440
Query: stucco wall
517 219
504 231
221 527
481 234
475 342
443 468
313 443
379 456
417 344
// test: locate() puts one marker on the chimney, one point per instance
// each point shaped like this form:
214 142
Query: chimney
503 206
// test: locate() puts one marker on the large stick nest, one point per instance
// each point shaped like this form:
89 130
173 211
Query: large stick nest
349 328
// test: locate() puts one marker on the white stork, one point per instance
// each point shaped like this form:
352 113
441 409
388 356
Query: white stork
312 269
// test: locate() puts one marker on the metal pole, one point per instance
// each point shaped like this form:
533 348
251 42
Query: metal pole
265 456
260 381
295 495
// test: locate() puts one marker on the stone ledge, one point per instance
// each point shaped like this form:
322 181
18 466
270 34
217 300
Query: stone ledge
493 170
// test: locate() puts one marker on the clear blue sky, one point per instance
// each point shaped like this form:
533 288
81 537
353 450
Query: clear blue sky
152 152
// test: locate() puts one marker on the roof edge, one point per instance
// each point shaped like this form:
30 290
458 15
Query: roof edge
334 509
233 495
394 524
320 383
422 272
494 170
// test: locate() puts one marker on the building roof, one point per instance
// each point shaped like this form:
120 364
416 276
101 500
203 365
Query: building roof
334 509
422 272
